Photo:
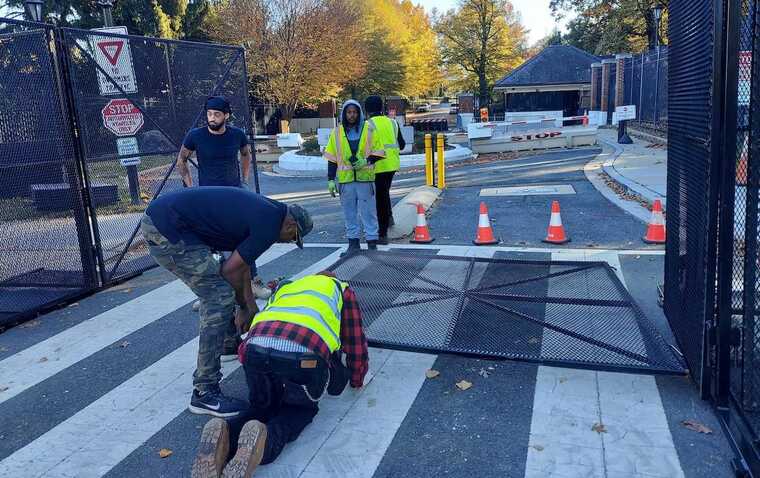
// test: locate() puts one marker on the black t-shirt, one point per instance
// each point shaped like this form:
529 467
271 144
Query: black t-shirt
223 218
217 155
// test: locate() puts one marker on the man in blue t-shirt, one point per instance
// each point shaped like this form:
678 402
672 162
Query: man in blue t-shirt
183 229
216 146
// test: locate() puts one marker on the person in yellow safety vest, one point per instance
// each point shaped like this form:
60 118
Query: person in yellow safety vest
389 134
292 355
351 153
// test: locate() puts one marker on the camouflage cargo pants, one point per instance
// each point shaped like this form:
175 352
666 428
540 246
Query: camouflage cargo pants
196 266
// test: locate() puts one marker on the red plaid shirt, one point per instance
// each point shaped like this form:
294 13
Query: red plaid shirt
352 339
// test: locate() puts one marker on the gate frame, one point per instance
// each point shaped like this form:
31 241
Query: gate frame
108 275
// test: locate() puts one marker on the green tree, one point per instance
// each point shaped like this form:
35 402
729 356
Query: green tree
158 18
605 27
481 41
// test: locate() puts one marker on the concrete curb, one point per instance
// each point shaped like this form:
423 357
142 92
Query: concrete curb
593 170
405 211
292 164
640 189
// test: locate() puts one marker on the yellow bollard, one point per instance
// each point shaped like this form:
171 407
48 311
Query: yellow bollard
441 162
429 159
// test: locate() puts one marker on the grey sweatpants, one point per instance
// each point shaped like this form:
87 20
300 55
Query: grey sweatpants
358 201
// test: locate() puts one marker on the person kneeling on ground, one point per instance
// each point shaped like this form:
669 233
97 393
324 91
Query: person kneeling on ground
294 352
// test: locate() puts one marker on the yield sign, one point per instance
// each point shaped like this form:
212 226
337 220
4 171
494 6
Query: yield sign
111 50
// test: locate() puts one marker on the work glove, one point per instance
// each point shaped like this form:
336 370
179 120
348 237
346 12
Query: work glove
359 163
331 188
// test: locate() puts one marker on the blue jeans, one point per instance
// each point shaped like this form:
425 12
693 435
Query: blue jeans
358 201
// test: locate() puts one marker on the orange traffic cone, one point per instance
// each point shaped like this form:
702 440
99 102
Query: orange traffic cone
421 231
656 228
556 232
484 235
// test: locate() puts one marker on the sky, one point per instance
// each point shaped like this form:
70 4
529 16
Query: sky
535 14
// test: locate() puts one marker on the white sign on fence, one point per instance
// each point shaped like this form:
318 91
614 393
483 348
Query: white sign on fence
126 146
115 58
627 112
323 136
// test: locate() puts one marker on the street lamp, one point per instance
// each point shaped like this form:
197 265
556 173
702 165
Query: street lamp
34 9
657 16
106 6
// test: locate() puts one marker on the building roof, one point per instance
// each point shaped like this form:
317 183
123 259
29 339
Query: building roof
554 65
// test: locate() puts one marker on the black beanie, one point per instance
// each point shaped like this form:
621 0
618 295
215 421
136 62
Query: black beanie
373 105
218 103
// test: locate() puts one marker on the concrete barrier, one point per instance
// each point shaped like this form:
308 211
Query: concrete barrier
294 164
569 137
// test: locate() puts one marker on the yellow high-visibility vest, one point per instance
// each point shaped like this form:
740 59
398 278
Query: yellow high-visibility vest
386 130
314 302
339 151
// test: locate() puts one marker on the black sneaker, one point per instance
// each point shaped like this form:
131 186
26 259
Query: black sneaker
214 403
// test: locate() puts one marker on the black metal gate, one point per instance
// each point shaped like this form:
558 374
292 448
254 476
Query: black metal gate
575 314
45 246
90 125
711 276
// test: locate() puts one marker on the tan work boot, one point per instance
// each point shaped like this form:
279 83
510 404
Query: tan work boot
250 450
260 290
213 450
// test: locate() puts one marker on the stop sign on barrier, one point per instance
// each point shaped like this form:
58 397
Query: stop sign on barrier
122 118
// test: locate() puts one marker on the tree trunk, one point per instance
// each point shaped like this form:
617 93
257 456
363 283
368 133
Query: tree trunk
482 89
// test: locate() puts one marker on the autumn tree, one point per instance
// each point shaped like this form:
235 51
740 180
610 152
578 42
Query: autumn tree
481 41
400 49
605 27
299 52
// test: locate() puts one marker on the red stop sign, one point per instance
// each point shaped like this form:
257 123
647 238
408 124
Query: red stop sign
122 118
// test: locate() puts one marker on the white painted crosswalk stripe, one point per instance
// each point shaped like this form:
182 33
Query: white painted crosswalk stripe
635 441
24 369
102 434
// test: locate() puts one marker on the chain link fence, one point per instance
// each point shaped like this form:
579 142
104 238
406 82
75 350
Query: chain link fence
646 86
90 126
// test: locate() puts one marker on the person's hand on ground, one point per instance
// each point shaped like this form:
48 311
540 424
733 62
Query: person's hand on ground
244 316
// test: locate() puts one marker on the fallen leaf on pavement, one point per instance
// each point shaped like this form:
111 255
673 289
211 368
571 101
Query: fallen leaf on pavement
164 452
464 385
127 291
695 426
538 447
30 324
599 428
124 344
432 373
43 359
3 388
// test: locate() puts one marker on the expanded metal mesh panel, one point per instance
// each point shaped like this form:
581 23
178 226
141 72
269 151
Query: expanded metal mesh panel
563 313
44 233
745 326
689 294
164 84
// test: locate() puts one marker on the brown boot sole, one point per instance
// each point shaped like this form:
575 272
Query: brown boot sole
250 450
213 450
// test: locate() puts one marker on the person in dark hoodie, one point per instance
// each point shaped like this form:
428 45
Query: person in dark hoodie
389 135
351 153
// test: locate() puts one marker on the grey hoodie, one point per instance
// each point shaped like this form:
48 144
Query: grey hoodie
353 134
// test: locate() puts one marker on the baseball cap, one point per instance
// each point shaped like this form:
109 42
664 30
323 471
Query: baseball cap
303 220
